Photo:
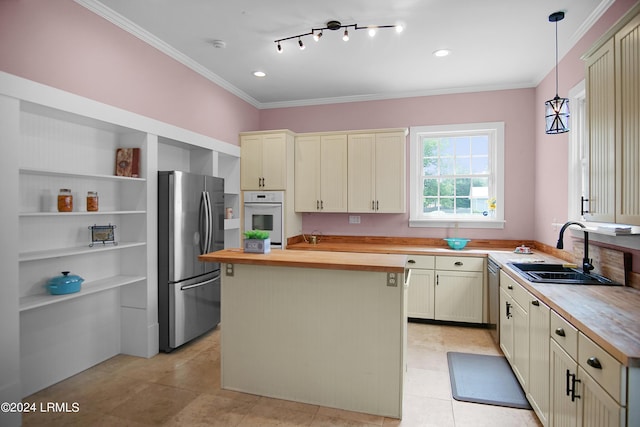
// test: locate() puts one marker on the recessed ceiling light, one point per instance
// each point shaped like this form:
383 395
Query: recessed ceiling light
440 53
259 73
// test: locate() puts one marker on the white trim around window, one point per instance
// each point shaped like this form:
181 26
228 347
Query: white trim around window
496 153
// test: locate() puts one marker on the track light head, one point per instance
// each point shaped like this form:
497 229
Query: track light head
279 47
301 44
316 36
345 37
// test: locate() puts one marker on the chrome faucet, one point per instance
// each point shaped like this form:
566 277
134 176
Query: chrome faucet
586 262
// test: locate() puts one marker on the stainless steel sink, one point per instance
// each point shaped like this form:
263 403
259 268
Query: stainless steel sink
560 274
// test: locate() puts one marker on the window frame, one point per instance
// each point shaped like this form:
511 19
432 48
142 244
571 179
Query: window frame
496 156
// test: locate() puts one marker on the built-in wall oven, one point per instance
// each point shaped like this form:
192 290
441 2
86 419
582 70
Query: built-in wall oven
263 211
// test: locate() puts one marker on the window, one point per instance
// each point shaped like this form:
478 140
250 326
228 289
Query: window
578 153
457 175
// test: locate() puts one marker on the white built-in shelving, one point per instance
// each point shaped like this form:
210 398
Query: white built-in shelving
61 140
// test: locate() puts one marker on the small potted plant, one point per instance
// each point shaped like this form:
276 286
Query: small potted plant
257 241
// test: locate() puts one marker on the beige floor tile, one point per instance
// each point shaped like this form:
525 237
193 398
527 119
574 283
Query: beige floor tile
154 404
420 411
428 383
350 416
211 410
267 415
476 415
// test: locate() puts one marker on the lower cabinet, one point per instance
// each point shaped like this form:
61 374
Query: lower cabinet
588 387
524 340
446 288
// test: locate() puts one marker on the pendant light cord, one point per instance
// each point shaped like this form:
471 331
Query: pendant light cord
556 59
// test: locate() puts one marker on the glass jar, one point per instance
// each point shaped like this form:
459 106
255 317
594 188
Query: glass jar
92 201
65 200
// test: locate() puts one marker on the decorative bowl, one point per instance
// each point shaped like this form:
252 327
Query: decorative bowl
457 243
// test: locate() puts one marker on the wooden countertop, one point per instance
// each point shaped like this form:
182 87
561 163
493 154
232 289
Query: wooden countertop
385 248
382 262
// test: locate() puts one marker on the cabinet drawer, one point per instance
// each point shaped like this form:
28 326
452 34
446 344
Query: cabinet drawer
459 263
522 296
564 334
421 261
602 367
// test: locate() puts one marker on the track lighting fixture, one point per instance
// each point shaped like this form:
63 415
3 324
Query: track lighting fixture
556 110
316 33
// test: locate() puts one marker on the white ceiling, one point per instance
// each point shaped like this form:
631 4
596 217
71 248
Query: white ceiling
495 44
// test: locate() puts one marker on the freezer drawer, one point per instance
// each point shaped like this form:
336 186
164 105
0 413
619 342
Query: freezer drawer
194 308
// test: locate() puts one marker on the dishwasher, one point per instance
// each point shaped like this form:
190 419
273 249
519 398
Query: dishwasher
493 270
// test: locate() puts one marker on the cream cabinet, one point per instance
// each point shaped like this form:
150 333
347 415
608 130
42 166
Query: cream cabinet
514 327
627 77
421 292
587 385
321 173
459 289
601 132
538 390
266 160
377 172
613 124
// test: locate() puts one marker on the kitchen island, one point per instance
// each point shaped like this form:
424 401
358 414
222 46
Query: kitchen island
326 328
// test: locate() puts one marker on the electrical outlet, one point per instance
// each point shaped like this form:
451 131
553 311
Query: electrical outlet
354 219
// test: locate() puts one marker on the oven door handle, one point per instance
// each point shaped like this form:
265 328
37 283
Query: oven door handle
263 205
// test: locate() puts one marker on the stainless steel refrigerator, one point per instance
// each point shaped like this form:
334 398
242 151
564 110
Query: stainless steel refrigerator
190 223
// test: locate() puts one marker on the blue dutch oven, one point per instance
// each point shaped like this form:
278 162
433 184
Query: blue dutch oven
65 284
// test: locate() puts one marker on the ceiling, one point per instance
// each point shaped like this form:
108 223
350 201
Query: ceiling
495 44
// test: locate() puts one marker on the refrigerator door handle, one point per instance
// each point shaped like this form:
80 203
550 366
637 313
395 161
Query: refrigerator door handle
204 223
209 222
197 285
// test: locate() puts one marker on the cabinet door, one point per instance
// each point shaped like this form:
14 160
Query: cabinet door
274 162
521 344
627 45
361 173
601 132
458 296
390 181
563 411
421 302
506 324
307 173
539 330
251 162
595 407
333 173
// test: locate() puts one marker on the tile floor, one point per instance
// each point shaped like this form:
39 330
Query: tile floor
183 389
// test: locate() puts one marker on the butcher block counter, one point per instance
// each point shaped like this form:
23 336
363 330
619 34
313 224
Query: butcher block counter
325 328
316 259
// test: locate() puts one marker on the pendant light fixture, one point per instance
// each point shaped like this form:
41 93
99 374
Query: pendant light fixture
556 109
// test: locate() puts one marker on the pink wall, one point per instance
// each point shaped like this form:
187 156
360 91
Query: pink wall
514 107
61 44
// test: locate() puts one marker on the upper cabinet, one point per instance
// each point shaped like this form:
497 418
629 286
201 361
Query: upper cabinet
627 66
264 160
376 172
613 121
321 173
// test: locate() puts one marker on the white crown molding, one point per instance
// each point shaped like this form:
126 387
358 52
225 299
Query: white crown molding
110 15
395 95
